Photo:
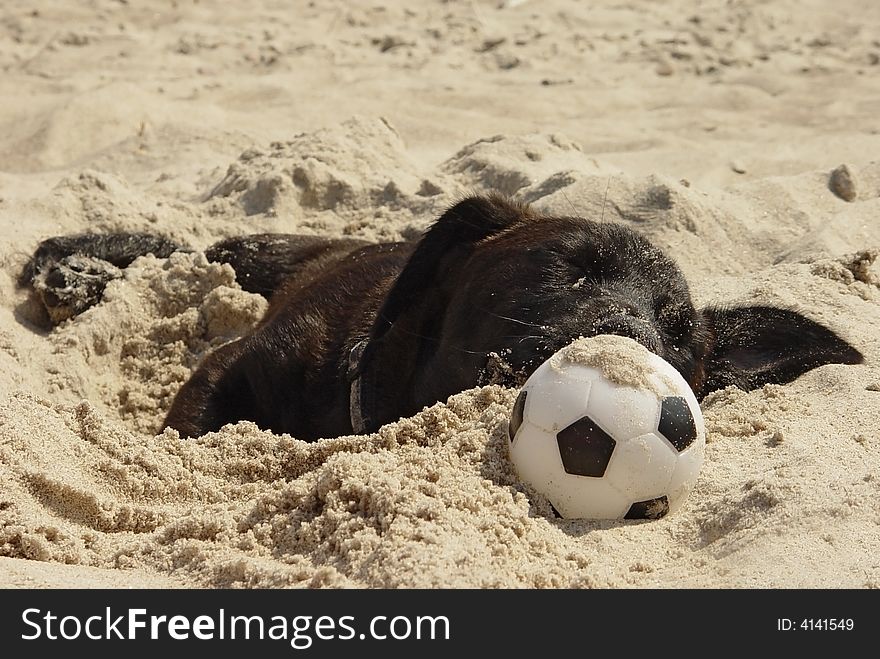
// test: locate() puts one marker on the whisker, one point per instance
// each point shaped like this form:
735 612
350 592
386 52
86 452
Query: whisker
513 320
520 337
516 320
470 352
565 196
435 339
605 199
523 337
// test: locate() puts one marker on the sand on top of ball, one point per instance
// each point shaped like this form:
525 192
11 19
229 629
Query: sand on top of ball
622 360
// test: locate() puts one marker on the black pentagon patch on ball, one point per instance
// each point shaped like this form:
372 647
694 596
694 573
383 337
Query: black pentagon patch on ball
650 509
677 423
585 448
516 416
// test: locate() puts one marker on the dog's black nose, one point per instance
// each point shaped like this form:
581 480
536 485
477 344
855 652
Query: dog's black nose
632 327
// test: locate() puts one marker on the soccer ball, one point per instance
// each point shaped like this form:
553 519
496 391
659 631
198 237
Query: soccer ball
606 429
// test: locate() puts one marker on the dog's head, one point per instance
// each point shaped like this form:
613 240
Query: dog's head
492 290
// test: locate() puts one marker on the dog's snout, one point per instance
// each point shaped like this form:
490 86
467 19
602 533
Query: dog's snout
632 327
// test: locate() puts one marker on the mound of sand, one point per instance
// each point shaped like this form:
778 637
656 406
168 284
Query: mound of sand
738 137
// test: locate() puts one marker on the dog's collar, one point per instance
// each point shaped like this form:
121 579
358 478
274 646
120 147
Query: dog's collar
355 399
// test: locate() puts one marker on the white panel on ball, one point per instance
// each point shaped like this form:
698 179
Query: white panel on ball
622 411
641 467
587 497
536 455
558 399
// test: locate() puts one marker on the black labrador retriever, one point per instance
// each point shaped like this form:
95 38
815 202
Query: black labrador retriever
358 335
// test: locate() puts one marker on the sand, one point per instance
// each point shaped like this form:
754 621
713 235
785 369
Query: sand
739 137
622 361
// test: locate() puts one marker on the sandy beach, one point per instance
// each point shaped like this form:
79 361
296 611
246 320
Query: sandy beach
740 137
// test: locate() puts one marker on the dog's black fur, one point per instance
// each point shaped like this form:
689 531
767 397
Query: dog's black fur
491 283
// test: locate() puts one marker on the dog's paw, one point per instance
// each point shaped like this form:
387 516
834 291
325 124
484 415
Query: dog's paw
71 285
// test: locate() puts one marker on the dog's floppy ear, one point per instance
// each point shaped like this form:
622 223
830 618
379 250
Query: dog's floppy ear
410 319
450 238
754 346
